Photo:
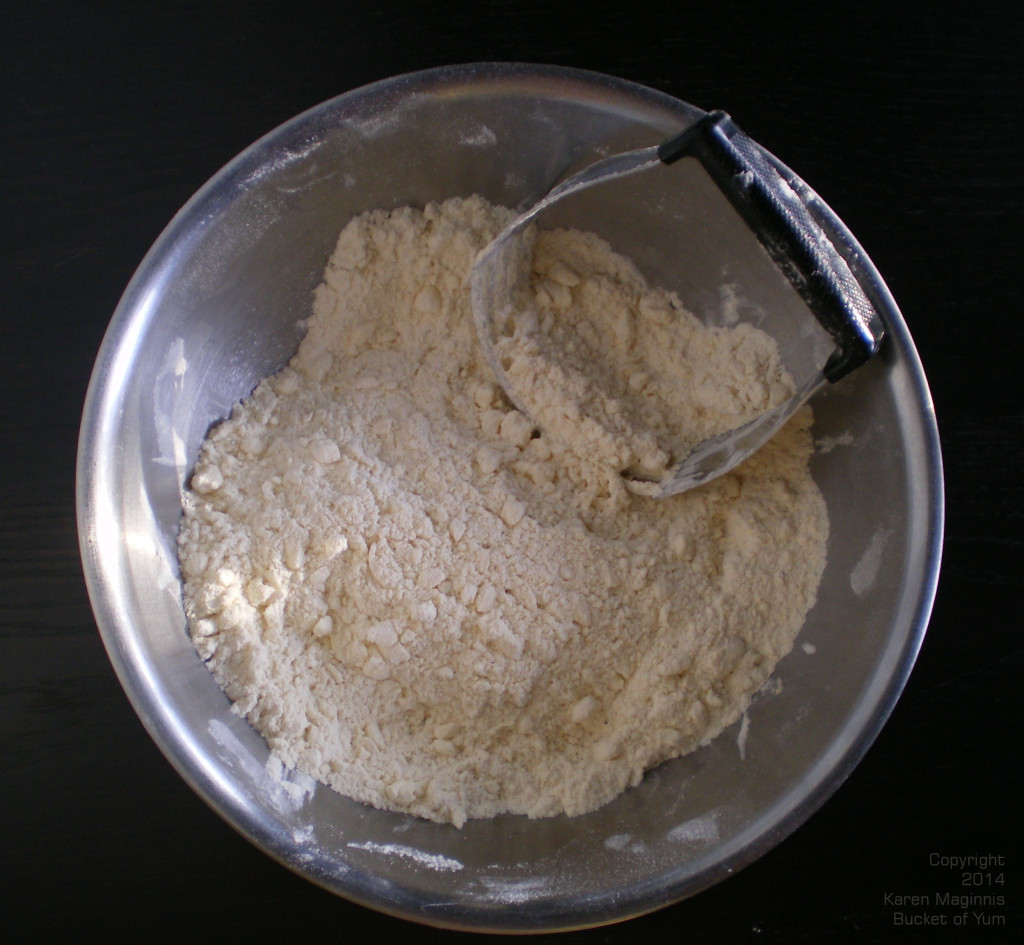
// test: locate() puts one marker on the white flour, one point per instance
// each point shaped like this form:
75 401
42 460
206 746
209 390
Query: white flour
430 606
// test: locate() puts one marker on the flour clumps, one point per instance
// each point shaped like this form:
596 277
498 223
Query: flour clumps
433 605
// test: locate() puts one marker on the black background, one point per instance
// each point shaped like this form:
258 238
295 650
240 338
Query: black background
907 118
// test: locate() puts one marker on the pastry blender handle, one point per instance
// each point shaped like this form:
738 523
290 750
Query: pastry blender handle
779 208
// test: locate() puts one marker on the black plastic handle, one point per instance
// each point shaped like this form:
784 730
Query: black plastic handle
794 239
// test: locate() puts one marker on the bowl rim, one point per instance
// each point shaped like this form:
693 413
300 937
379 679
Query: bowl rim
832 768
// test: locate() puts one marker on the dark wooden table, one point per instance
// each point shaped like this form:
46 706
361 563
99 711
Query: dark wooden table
907 118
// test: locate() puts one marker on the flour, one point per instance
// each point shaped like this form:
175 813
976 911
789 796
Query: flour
432 605
621 374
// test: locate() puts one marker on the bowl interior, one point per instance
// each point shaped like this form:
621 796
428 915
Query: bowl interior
219 303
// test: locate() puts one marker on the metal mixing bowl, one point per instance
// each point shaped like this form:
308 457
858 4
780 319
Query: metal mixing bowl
218 304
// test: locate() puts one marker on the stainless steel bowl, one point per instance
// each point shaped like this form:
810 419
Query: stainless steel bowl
218 304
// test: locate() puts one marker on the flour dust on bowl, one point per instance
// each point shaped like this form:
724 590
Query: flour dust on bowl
222 301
